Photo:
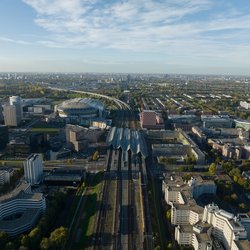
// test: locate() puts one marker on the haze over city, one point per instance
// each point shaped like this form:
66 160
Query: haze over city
142 36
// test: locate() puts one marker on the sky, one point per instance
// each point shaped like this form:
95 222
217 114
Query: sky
127 36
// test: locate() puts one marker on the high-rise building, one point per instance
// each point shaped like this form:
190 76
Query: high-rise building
11 118
4 136
33 170
17 101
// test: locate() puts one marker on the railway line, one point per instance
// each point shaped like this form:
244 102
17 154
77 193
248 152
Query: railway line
130 224
98 240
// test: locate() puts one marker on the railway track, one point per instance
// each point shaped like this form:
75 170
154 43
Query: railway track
148 239
131 204
98 240
116 230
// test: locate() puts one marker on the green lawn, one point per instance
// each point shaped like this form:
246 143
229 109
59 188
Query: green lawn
11 163
48 130
90 210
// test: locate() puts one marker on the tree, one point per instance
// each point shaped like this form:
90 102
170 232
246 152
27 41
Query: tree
186 177
212 168
35 237
228 166
157 247
235 172
95 156
10 246
45 244
25 240
3 238
234 197
168 214
58 237
170 246
235 178
242 206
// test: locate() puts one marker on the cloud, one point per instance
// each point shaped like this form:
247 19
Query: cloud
9 40
181 28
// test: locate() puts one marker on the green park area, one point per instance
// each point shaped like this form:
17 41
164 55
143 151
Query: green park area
47 130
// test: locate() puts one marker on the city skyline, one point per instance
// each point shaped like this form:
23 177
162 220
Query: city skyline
181 36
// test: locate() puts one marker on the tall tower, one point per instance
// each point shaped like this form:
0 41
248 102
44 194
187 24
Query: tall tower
17 102
10 116
33 170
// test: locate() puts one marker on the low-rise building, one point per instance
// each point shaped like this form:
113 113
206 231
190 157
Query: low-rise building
181 196
78 137
5 175
199 134
245 105
151 120
226 227
216 121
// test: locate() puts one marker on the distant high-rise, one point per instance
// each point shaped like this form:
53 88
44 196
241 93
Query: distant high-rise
11 116
33 170
17 101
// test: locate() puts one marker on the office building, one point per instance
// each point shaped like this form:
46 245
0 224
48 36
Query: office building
4 176
78 137
181 195
11 116
216 121
226 227
4 135
20 210
198 235
33 170
151 120
17 102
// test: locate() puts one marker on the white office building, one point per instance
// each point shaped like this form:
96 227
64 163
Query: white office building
226 227
33 170
203 228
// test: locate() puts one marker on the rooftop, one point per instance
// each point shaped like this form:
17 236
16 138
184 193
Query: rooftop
243 244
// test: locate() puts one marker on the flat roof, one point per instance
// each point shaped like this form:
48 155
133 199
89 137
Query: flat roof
243 244
14 193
